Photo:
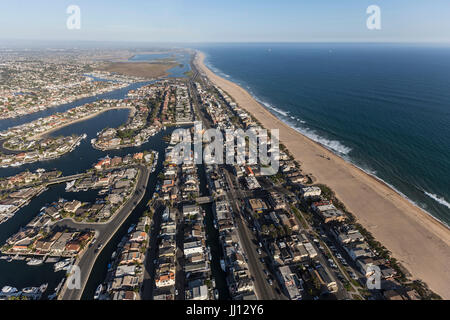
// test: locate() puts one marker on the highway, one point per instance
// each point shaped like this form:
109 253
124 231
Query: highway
104 233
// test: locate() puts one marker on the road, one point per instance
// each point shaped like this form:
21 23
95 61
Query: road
262 288
104 233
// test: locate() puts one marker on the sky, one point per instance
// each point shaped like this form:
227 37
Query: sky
227 21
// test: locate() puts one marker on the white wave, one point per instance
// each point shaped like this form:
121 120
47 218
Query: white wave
438 199
339 148
282 112
334 145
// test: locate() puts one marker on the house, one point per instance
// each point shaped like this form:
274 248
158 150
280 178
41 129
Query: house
290 282
191 248
197 293
190 210
165 280
276 201
311 192
257 205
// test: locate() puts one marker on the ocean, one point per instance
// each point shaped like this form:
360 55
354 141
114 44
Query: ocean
383 107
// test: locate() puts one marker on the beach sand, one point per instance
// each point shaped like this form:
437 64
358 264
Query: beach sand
418 241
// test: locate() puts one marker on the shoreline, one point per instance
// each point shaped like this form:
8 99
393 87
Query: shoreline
88 117
416 239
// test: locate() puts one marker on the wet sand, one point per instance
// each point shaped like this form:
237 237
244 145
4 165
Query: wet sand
417 240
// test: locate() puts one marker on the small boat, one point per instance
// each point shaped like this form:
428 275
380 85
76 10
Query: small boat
9 291
216 294
52 296
131 228
98 292
222 264
61 265
43 287
32 292
35 262
70 184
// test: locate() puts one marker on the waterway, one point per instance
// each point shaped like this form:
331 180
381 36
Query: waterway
17 273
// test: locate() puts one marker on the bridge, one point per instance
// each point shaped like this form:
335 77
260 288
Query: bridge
68 178
203 200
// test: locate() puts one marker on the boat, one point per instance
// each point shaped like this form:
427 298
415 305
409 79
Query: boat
52 260
216 294
62 265
43 287
32 292
35 262
70 184
52 296
17 257
98 292
222 264
9 291
131 228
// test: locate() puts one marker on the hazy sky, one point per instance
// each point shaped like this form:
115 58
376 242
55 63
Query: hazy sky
227 21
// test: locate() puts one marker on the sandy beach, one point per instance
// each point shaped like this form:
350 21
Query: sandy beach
418 241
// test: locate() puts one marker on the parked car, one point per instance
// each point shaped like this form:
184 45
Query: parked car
353 276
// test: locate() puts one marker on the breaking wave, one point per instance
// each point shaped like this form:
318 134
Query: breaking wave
438 199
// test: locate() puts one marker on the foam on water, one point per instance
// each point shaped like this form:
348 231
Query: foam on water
332 145
335 146
438 199
268 105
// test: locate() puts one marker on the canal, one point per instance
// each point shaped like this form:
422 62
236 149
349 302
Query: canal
17 273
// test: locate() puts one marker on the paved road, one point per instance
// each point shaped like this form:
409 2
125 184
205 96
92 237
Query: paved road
105 232
262 288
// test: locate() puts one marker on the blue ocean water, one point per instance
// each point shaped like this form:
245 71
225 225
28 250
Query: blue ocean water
383 107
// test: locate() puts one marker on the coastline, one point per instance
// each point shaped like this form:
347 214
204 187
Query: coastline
416 239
